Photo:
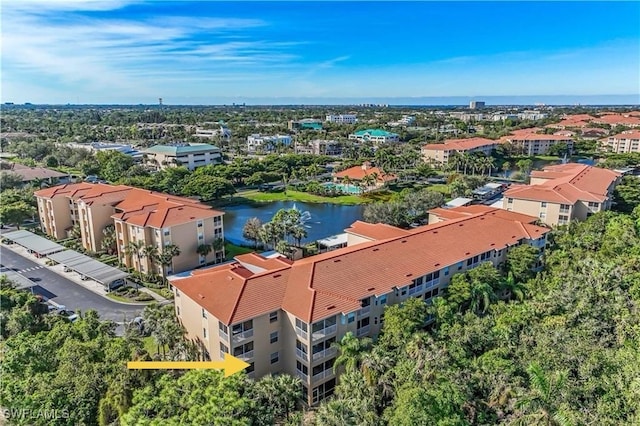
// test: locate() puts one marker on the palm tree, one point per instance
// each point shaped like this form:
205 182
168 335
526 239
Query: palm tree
510 288
541 404
298 232
166 258
134 248
489 164
506 166
109 239
151 254
481 296
351 351
251 230
218 246
204 250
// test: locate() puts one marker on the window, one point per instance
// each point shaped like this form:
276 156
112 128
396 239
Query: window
301 347
241 328
543 204
251 368
593 204
178 310
563 220
273 337
204 333
200 224
223 327
460 265
273 316
363 322
446 271
323 391
246 349
564 208
166 232
302 368
323 324
204 313
224 349
274 357
301 324
383 299
510 200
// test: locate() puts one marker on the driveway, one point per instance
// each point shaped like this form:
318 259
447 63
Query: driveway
65 292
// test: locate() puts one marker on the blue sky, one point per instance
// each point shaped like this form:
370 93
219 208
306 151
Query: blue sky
119 51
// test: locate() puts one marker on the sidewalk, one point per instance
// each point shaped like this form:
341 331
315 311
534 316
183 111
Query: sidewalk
88 284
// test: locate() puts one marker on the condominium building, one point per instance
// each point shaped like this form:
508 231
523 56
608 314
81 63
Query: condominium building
622 142
258 142
527 142
320 147
137 215
283 316
442 152
476 104
565 192
190 155
374 135
342 119
221 132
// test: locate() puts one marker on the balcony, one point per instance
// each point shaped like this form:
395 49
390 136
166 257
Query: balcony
302 376
303 334
322 375
415 290
364 311
240 337
245 356
325 353
363 331
325 332
302 355
224 336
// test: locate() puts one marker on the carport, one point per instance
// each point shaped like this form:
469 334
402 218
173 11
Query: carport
35 243
21 282
89 267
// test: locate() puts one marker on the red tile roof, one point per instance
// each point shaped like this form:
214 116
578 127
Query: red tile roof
335 282
566 184
618 119
32 173
631 134
359 172
136 206
460 144
375 231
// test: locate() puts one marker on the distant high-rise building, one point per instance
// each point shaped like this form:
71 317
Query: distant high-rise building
476 104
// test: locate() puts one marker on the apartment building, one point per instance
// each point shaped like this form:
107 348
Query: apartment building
305 124
476 104
258 142
138 215
376 136
622 142
529 143
190 155
442 152
342 119
562 193
320 147
221 132
283 316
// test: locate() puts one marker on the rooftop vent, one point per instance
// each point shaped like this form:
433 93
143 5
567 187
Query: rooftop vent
403 241
337 260
376 249
493 244
461 224
331 307
437 264
277 275
408 275
371 288
467 253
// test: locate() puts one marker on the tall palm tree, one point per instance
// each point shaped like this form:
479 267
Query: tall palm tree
351 350
541 404
165 257
151 254
490 164
204 250
481 296
218 246
134 249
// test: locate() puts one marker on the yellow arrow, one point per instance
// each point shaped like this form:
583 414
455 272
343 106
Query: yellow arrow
230 365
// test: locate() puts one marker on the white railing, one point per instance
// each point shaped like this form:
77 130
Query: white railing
362 331
223 335
222 354
303 377
327 331
323 374
300 332
415 290
302 355
245 356
325 353
242 336
364 311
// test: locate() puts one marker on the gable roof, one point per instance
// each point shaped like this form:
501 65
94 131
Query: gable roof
375 132
567 184
359 172
335 282
460 144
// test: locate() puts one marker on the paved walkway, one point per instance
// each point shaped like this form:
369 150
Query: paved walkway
89 284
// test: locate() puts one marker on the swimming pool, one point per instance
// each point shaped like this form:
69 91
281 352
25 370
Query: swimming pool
347 189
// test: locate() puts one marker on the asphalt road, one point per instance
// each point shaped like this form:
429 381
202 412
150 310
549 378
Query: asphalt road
66 292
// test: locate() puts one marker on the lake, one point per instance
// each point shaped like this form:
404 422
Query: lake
325 219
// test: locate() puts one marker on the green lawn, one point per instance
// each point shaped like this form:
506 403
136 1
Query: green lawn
233 250
291 195
120 298
440 187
